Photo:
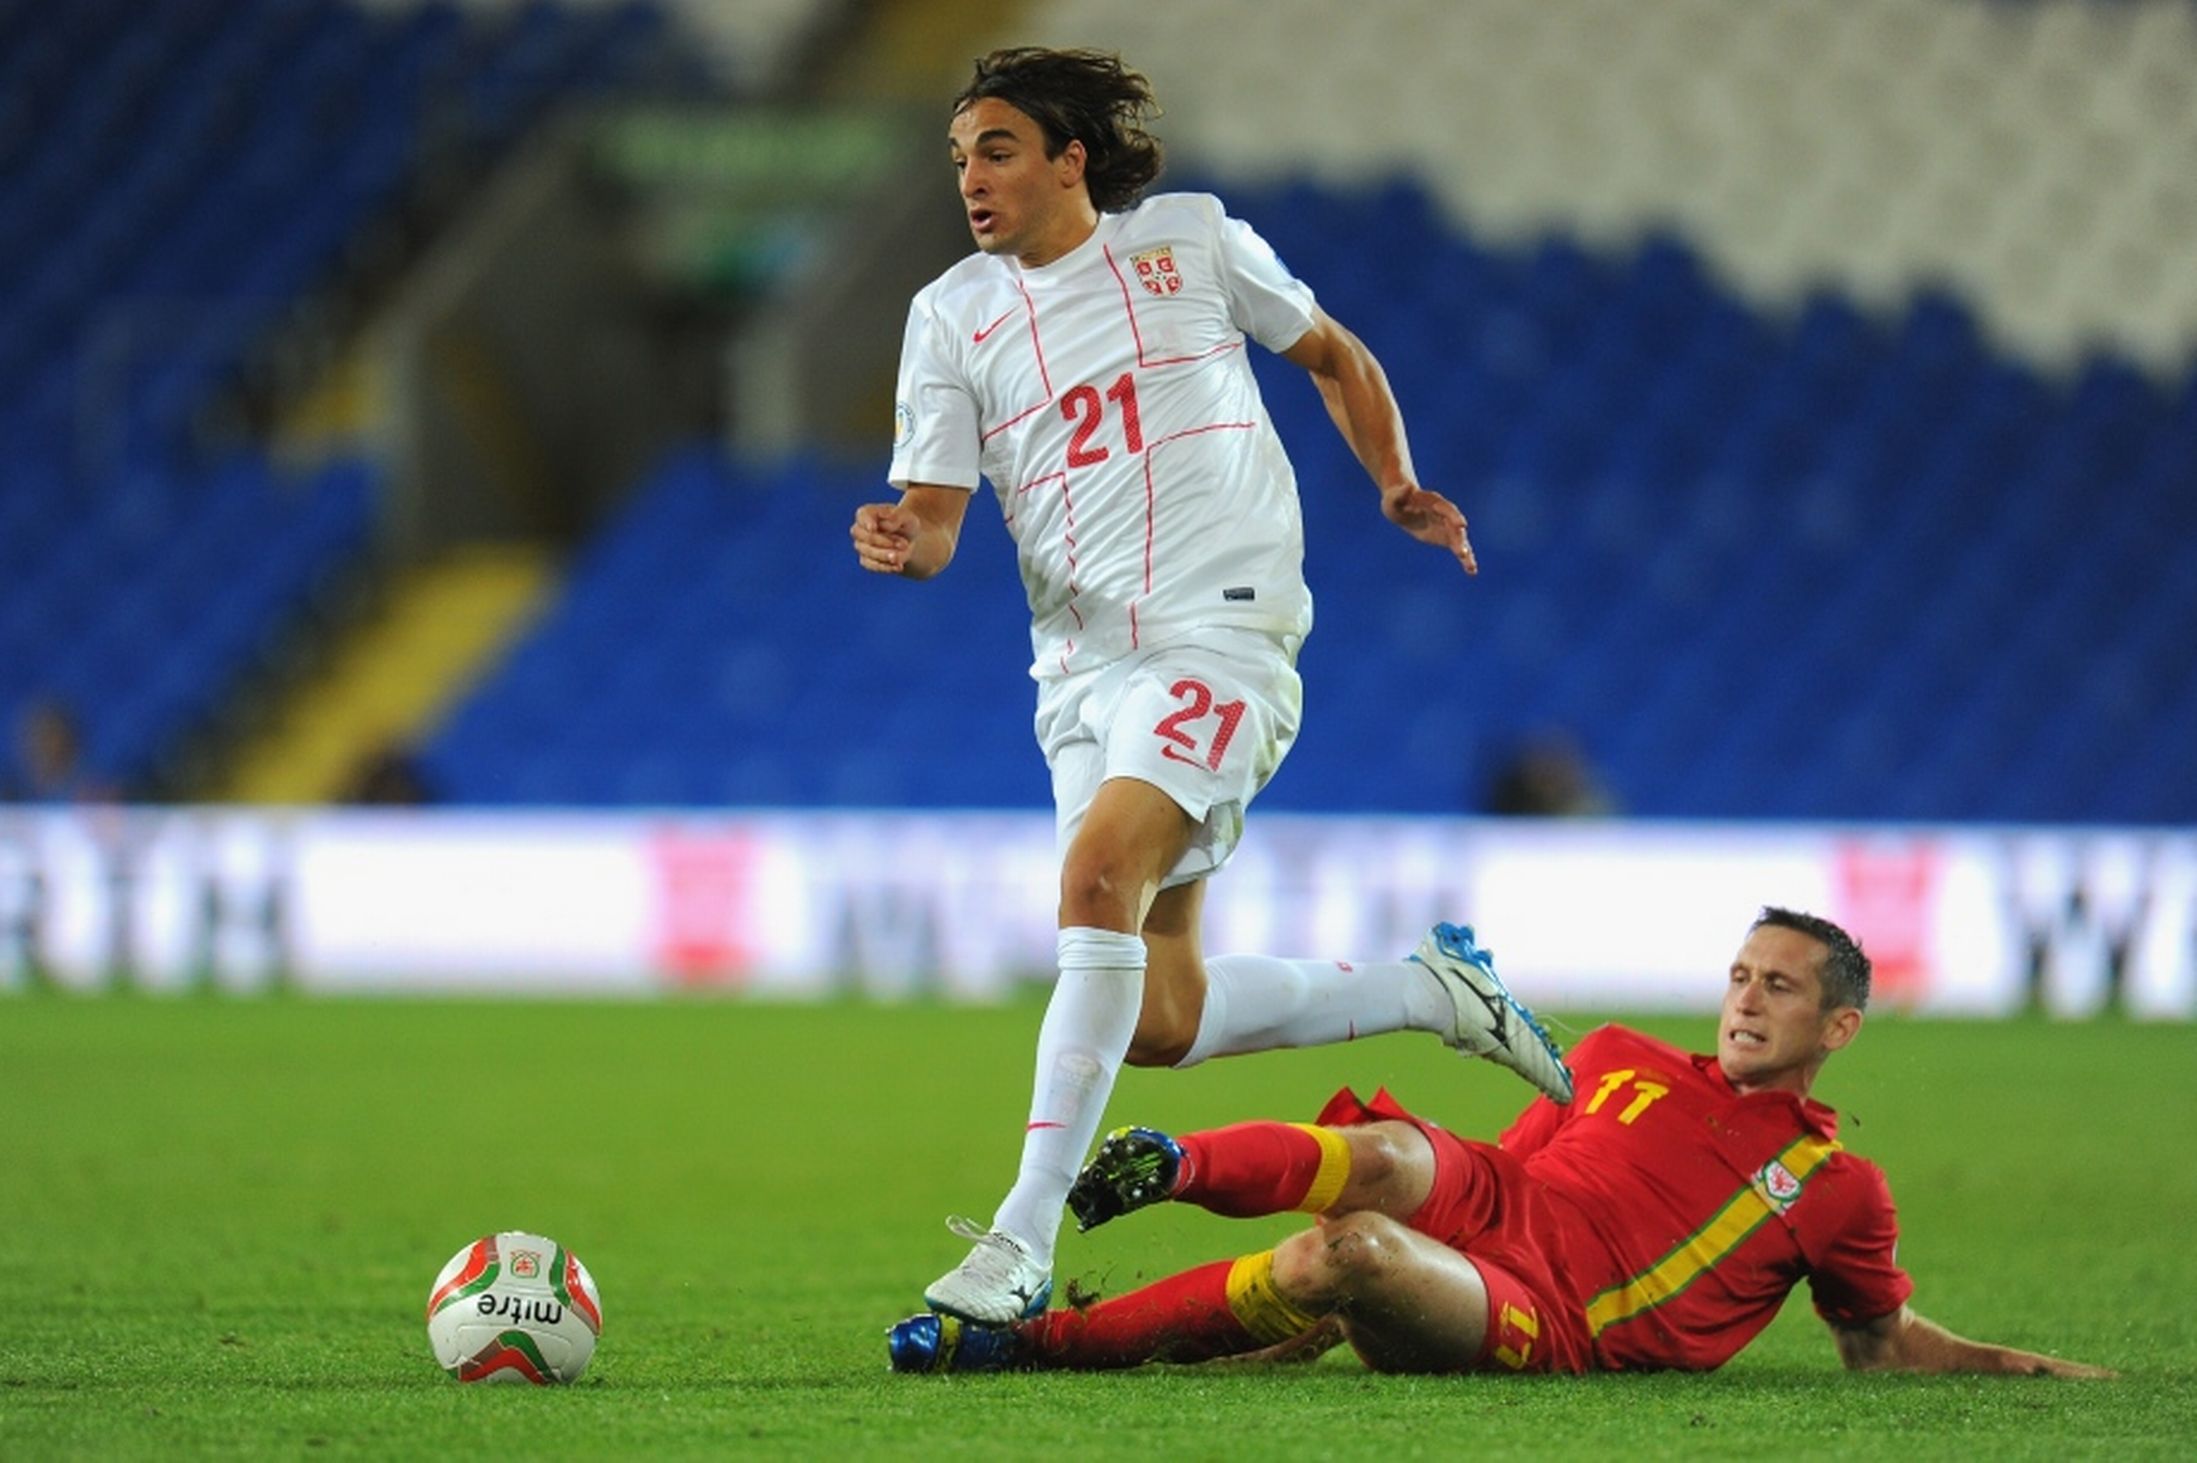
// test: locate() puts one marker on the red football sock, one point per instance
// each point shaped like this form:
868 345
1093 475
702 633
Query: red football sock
1249 1169
1183 1318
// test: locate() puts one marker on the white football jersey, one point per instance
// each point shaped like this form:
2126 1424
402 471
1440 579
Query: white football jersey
1107 398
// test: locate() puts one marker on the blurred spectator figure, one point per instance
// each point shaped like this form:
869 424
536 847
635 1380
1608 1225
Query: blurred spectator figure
390 778
1546 775
47 765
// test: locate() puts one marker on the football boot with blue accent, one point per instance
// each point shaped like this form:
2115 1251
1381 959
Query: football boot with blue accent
1490 1021
931 1342
1001 1282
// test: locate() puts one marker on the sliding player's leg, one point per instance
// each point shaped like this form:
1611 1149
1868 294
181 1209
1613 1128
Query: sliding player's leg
1408 1303
1250 1169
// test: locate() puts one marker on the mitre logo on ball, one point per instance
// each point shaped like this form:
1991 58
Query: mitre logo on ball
514 1307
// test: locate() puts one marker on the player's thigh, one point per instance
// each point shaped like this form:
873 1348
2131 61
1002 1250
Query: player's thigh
1102 810
1474 1315
1128 838
1408 1303
1208 726
1392 1170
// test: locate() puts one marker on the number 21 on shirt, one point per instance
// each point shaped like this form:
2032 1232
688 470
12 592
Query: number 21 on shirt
1083 406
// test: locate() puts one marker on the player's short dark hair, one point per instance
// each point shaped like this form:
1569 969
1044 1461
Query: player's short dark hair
1079 96
1845 968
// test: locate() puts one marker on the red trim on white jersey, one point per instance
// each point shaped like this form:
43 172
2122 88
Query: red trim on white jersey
1033 483
1068 542
1149 502
1129 306
1045 377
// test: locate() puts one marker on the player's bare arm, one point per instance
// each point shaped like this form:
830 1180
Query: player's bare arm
914 538
1356 392
1906 1342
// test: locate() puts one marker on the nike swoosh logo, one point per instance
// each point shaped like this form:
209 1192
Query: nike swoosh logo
978 338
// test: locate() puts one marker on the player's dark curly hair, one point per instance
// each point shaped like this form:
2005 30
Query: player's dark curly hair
1079 96
1846 969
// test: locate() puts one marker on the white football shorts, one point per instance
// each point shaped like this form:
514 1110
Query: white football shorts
1207 724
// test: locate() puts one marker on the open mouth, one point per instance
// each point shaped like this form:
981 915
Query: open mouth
980 219
1739 1036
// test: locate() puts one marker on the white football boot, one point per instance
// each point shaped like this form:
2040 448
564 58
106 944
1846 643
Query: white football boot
1491 1022
999 1284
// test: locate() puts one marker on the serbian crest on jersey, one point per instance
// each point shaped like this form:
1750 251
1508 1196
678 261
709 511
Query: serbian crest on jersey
1778 1184
1156 271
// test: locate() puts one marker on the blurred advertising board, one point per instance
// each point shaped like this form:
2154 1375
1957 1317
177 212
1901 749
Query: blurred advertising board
1609 915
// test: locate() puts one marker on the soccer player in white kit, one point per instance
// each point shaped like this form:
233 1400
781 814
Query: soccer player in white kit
1089 361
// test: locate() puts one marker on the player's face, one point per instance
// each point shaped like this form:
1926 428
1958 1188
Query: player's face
1774 1032
1020 202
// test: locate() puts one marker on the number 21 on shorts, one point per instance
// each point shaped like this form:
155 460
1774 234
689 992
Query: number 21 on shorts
1184 732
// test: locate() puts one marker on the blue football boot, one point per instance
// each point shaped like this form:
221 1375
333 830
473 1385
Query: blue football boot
932 1342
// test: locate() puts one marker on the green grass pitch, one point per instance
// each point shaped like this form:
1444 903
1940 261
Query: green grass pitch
218 1221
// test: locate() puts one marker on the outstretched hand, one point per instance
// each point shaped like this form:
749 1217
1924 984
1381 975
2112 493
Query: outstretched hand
1430 518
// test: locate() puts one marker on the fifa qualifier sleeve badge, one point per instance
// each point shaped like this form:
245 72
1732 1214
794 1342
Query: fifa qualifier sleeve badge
903 424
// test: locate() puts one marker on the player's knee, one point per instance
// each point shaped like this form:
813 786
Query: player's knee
1380 1154
1099 892
1355 1254
1302 1275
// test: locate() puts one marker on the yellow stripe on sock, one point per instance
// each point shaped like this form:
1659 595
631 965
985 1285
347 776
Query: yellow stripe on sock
1327 1184
1259 1306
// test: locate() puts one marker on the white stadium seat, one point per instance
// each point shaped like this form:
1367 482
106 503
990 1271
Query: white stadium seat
2039 157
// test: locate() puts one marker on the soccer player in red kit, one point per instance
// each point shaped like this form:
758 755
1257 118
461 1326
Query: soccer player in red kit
1658 1220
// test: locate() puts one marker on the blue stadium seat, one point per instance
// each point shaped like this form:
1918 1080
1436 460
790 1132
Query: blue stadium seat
172 178
1829 564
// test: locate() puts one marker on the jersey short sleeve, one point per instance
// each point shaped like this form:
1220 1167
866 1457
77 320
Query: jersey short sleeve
1858 1277
935 434
1267 302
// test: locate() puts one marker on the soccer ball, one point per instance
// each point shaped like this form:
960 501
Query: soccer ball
514 1307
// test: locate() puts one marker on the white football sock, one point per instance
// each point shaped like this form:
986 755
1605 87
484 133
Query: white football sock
1256 1003
1080 1046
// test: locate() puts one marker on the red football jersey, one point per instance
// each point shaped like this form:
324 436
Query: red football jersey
1688 1211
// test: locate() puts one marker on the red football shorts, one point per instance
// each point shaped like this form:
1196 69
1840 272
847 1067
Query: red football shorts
1485 1207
